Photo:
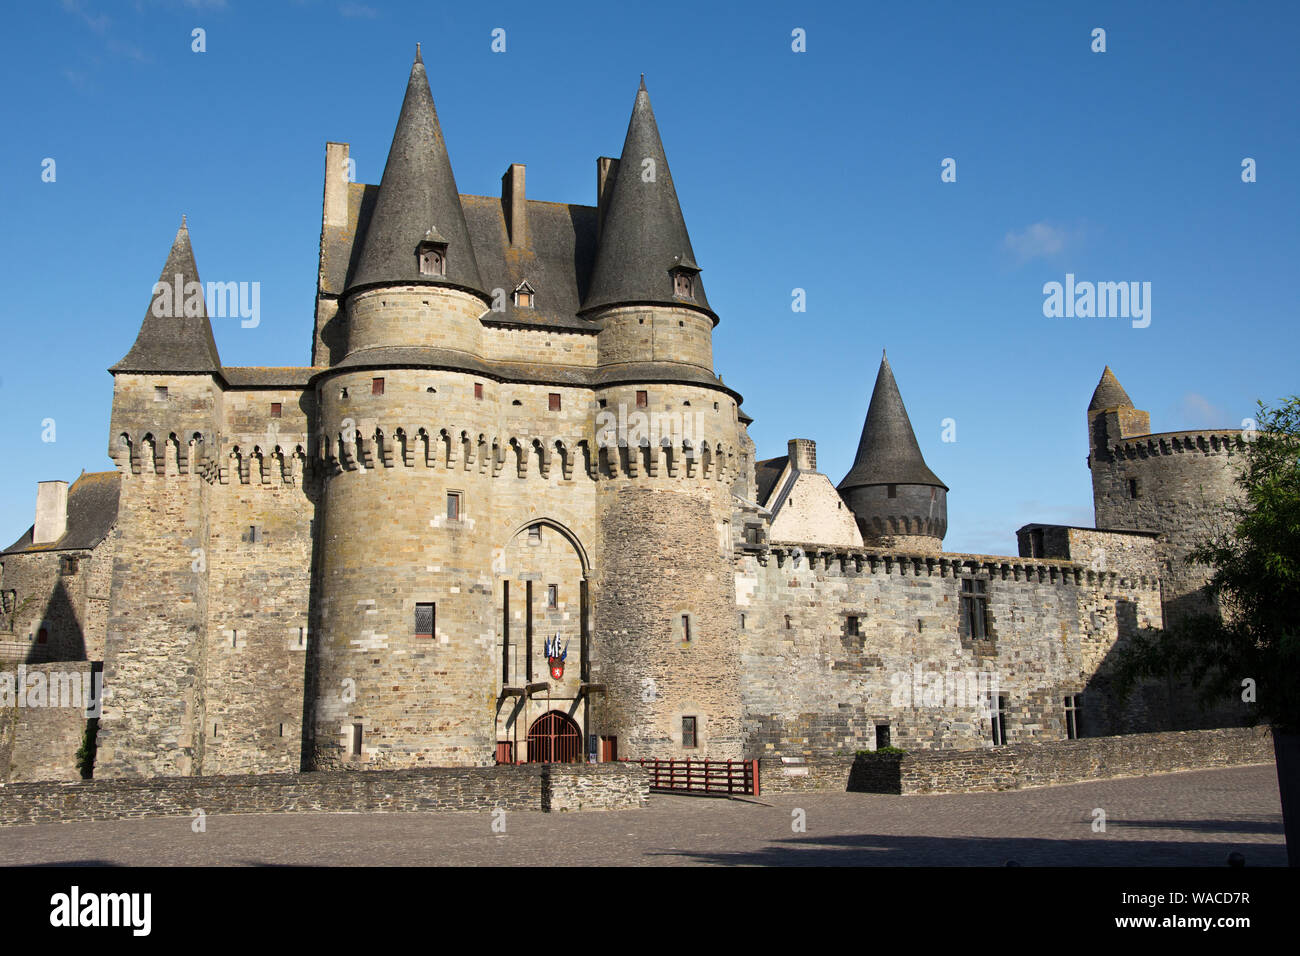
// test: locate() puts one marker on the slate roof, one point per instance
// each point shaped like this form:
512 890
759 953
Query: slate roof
265 376
174 342
417 193
92 512
1110 393
556 260
887 452
643 234
766 475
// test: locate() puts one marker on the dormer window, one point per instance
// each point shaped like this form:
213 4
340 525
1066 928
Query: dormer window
431 254
524 296
683 272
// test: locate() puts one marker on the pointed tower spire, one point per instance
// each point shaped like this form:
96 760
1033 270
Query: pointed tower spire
175 335
1109 393
887 452
644 254
417 197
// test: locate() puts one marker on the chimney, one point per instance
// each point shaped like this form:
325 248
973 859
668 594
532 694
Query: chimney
51 512
337 168
513 203
803 454
606 173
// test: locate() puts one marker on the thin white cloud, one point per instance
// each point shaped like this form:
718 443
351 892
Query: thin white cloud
1199 412
1042 240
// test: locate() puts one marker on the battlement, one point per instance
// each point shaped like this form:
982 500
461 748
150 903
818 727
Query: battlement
145 456
949 565
1210 442
454 449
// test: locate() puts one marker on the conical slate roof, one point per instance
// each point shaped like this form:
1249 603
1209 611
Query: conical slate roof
173 341
1109 393
888 453
416 195
643 235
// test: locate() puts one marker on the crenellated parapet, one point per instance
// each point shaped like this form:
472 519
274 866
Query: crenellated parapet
1217 442
379 447
872 561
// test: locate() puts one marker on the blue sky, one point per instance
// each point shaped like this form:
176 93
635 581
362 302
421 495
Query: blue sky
817 170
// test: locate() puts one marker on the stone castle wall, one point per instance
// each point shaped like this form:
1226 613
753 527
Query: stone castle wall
41 733
811 686
64 592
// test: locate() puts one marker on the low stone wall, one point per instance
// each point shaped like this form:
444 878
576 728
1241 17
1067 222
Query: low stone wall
1022 765
547 787
1092 758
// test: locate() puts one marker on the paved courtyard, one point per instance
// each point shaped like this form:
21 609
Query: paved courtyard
1185 819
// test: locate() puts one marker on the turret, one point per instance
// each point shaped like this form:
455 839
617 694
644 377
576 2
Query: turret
416 283
167 402
400 674
898 501
1111 415
669 437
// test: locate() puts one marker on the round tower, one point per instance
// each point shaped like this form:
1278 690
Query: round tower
665 640
1175 483
401 674
898 501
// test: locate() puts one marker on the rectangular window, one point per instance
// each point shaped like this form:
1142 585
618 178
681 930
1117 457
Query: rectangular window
688 732
853 625
275 409
453 506
555 401
1000 723
376 386
552 596
753 534
1036 549
882 736
1132 487
424 620
974 609
160 393
478 391
893 491
1072 707
535 534
642 399
42 636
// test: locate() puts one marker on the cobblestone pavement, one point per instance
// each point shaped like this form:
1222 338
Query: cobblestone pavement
1185 819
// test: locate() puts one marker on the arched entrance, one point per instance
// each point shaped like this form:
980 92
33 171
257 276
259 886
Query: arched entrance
554 738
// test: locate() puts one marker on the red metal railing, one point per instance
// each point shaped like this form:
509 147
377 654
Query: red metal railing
730 777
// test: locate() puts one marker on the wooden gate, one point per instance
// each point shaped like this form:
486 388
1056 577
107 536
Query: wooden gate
554 738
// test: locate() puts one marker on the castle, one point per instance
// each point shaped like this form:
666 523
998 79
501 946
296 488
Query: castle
510 512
